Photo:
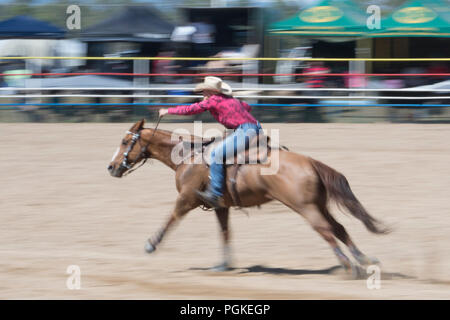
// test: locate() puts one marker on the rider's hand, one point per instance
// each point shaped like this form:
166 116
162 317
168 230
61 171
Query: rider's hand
163 112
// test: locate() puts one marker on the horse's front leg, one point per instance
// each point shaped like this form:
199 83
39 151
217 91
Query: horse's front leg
222 215
151 243
184 203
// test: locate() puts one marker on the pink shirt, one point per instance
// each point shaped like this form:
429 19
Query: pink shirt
227 110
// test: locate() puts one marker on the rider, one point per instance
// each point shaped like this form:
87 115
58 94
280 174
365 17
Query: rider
233 114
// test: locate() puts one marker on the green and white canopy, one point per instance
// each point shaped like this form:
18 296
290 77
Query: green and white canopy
329 18
417 18
333 18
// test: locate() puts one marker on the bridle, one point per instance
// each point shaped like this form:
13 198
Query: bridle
144 154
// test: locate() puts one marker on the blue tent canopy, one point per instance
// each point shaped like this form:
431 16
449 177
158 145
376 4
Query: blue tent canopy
134 23
28 27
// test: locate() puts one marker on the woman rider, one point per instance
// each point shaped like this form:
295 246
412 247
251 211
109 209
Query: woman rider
233 114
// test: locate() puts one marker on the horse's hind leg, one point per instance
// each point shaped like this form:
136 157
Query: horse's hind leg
314 216
340 233
223 217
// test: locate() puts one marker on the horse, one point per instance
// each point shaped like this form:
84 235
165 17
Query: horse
301 183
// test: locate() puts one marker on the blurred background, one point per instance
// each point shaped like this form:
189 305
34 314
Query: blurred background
377 97
106 84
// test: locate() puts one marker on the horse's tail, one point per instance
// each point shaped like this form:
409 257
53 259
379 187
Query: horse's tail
338 189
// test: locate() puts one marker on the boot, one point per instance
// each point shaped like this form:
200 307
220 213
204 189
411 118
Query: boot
210 198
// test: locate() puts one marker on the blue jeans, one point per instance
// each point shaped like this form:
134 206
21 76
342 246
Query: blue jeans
234 143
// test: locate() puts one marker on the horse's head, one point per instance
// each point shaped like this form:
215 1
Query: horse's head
132 149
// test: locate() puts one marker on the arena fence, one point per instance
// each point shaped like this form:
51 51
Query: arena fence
152 95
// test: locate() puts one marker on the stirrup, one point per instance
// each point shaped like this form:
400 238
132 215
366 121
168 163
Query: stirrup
209 198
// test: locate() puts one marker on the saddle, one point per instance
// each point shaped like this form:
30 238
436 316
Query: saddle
198 151
255 152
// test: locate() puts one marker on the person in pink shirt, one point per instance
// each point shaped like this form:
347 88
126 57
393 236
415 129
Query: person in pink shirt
233 114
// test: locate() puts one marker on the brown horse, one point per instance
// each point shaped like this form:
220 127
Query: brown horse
303 184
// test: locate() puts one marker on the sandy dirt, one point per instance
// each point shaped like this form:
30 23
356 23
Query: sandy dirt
59 207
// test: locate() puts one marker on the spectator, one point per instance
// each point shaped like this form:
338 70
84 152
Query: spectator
316 80
413 81
164 66
437 67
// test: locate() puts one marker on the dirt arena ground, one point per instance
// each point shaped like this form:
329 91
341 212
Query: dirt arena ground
60 207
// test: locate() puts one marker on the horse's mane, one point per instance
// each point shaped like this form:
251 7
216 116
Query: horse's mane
168 134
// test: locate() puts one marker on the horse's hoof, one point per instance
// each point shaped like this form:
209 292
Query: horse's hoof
221 268
149 248
353 271
373 260
357 272
367 261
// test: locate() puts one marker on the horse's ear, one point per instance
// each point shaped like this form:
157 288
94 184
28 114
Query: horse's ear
138 125
141 124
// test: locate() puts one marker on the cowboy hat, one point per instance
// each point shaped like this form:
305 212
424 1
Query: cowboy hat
214 84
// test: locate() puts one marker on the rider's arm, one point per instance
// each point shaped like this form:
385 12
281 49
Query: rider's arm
246 106
193 108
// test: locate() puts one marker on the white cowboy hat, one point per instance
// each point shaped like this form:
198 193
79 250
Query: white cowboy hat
214 84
